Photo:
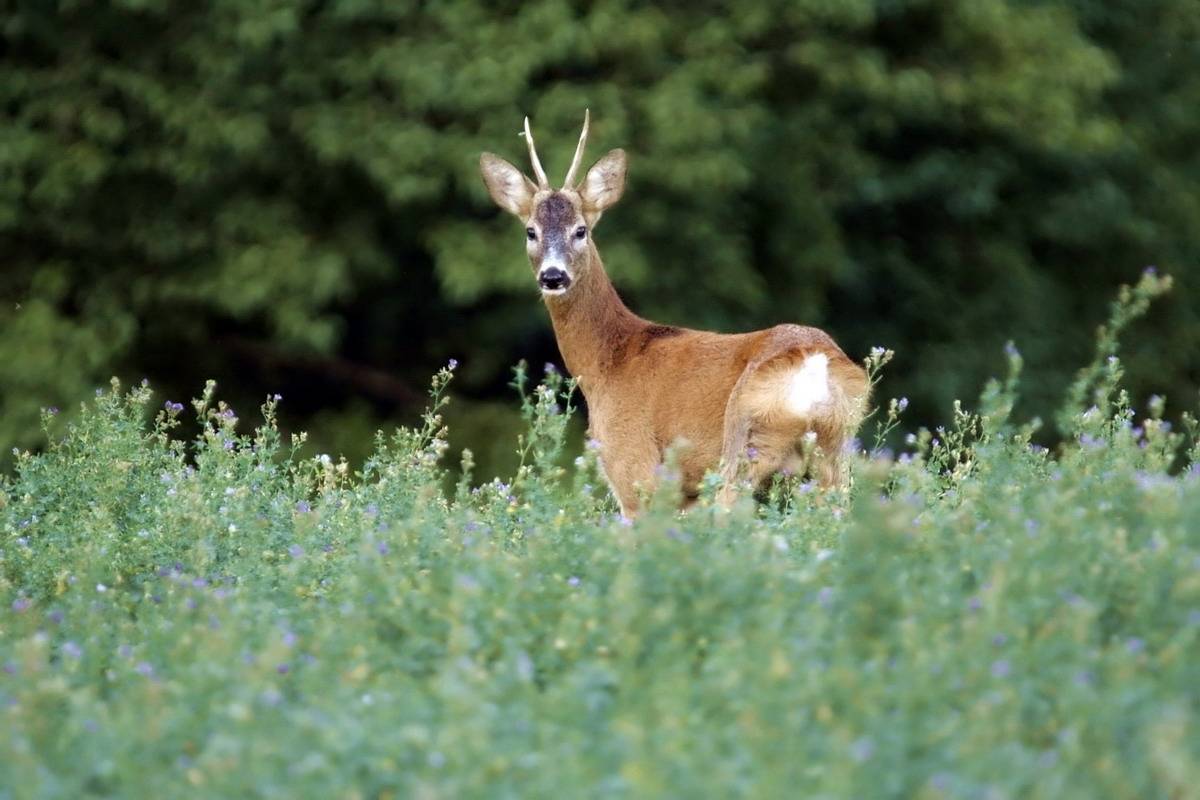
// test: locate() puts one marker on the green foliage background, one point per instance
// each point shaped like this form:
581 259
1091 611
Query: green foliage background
284 193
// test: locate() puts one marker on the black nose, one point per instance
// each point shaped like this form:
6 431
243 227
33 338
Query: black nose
553 278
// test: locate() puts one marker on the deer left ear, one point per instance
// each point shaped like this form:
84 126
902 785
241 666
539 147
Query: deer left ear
603 185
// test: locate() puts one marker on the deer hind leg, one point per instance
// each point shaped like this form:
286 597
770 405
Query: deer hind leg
828 464
797 411
734 445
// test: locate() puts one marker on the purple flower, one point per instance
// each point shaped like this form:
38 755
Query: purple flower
999 640
277 397
199 583
825 597
144 668
372 510
902 404
282 669
1084 678
975 603
173 408
295 551
228 444
21 603
573 581
124 651
72 650
55 616
1150 271
303 507
52 410
1135 645
383 548
452 363
1001 668
1010 350
862 749
549 368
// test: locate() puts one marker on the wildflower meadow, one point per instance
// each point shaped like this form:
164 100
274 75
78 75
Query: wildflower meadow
976 617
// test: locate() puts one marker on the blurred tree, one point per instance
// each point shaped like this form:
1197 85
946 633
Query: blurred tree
284 194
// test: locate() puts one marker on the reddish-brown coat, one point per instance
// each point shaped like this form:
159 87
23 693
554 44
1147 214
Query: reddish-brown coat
722 397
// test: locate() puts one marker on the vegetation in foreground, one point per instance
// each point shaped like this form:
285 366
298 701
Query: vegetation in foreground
978 617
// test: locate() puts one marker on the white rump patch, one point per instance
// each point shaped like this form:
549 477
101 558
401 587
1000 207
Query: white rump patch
809 385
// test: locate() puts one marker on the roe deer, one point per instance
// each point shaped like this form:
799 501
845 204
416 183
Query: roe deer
750 404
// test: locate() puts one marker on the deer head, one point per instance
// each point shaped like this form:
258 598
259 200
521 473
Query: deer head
558 223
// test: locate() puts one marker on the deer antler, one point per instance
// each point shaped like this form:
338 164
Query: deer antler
538 172
578 150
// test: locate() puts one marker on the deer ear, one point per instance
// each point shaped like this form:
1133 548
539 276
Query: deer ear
511 190
604 183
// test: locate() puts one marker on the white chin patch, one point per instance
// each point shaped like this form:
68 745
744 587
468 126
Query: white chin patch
554 292
809 385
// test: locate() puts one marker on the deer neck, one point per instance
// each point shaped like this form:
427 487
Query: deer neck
592 324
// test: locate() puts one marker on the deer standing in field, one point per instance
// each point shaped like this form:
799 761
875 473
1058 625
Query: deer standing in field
750 404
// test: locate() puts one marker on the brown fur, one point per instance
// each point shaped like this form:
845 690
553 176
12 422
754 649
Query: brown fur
649 386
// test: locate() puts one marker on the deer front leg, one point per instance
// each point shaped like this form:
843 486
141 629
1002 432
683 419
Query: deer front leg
629 472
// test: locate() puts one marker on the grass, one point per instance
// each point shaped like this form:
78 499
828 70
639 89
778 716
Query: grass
978 617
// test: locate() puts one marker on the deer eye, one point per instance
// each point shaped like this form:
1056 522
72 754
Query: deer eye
531 234
581 232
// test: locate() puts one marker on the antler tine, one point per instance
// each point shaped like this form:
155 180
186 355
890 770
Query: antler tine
587 116
538 172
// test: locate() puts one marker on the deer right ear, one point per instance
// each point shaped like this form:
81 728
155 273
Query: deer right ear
511 190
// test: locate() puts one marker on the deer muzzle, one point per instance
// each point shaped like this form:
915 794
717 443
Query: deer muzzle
553 279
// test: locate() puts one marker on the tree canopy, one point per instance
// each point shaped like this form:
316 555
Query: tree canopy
285 194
